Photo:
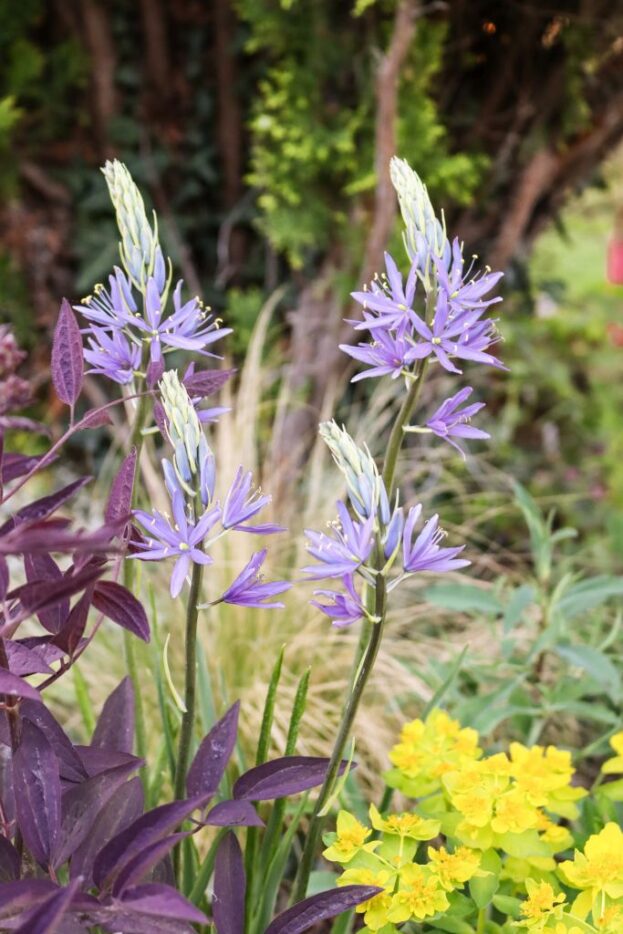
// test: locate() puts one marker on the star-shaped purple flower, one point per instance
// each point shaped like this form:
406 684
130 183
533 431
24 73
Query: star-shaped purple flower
343 608
390 301
465 291
388 355
181 540
450 421
111 354
343 552
250 590
425 553
241 504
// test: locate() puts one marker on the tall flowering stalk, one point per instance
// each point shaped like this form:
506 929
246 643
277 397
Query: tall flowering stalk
375 542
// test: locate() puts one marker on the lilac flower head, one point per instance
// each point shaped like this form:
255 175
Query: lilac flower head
460 335
343 608
450 421
389 354
425 553
390 301
113 307
249 590
111 354
181 539
465 291
344 551
241 504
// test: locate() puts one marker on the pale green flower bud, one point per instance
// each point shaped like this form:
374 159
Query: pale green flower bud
184 427
365 487
424 235
139 248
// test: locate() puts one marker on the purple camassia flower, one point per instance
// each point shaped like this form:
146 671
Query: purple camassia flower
424 554
451 335
346 608
388 354
249 590
448 422
390 301
111 354
465 294
181 540
113 307
241 504
188 328
345 551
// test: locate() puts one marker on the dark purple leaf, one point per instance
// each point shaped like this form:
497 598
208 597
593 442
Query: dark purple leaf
210 762
70 764
155 371
15 896
44 648
21 423
38 802
47 918
229 887
115 727
119 503
234 814
282 777
206 382
9 861
81 806
116 918
142 833
118 604
317 908
100 760
16 465
43 594
42 567
160 418
123 809
55 535
136 870
25 661
69 637
153 898
4 577
44 507
95 418
14 686
67 362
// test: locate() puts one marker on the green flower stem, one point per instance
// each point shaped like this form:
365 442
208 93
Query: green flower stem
136 441
402 420
190 699
482 921
190 684
348 717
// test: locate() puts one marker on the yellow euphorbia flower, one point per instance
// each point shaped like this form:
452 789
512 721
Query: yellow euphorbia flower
542 903
350 839
376 909
405 825
598 871
557 837
453 869
514 813
420 895
544 775
614 766
428 749
610 920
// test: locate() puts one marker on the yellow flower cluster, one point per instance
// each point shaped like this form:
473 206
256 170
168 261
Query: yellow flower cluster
411 891
427 750
499 819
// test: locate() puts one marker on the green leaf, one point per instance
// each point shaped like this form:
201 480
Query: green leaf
452 925
483 888
613 791
595 664
507 905
520 599
588 594
447 683
463 598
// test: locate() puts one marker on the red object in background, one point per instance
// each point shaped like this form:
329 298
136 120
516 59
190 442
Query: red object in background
615 261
